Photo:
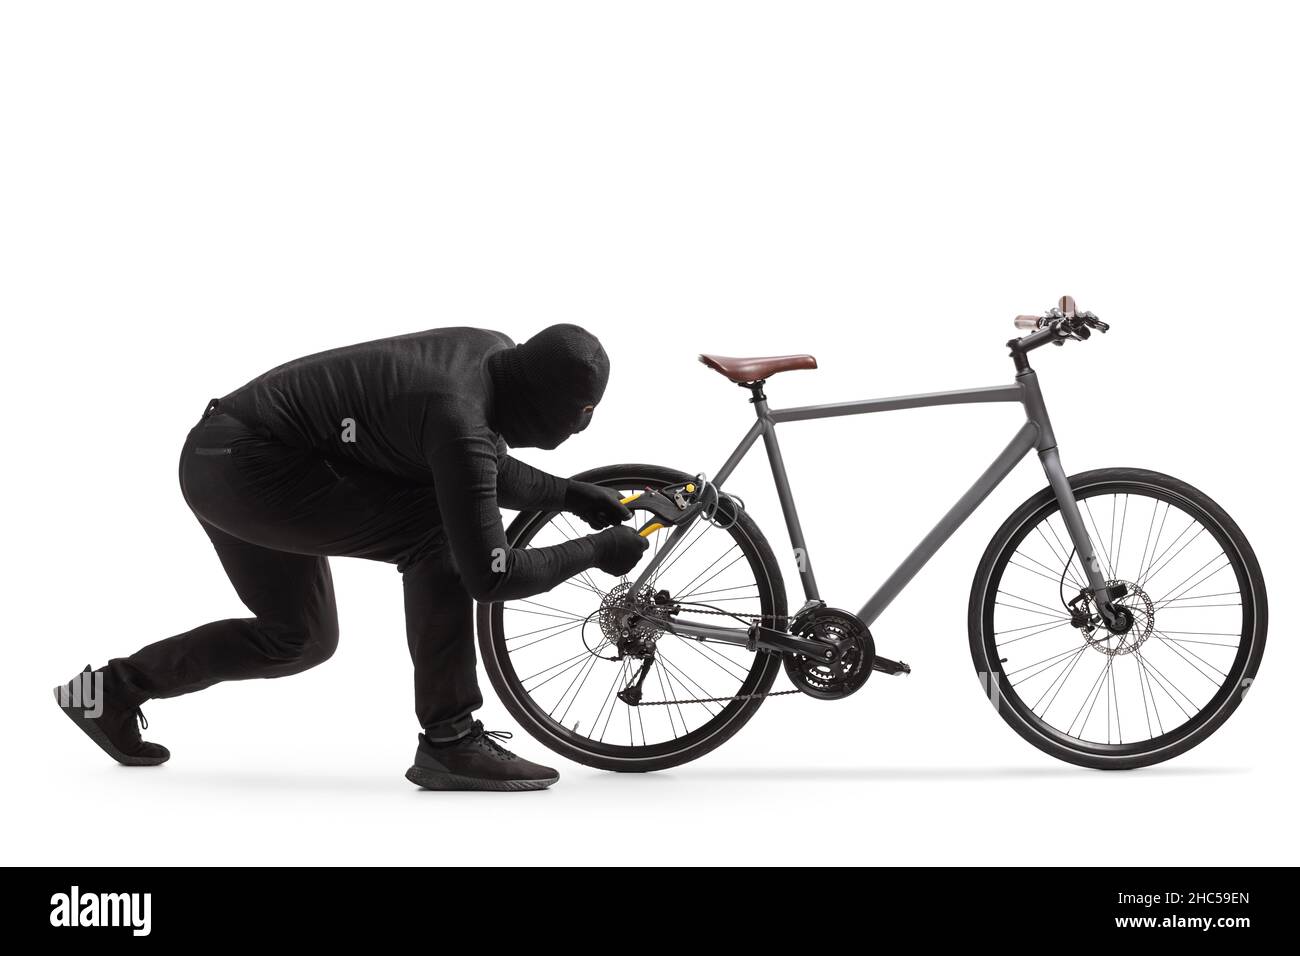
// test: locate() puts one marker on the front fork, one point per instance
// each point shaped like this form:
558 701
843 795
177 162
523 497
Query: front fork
1103 594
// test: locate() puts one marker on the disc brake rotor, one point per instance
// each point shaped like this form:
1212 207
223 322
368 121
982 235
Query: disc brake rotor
1140 608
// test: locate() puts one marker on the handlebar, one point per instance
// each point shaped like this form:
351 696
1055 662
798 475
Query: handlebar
1056 325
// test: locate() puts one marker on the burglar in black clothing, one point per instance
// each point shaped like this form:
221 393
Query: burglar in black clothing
393 450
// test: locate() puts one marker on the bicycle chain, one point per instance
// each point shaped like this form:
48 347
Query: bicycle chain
715 700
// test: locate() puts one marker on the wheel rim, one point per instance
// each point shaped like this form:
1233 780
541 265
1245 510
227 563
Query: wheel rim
1147 689
563 671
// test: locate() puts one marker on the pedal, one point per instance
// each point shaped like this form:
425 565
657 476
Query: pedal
886 666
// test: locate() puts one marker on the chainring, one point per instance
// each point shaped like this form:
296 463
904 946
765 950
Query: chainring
833 680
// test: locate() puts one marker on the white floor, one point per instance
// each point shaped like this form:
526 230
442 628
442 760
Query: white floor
868 780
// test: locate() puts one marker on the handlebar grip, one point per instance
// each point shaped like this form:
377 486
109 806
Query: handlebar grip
1028 322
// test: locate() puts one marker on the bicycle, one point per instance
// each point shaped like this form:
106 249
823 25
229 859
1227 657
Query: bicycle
1062 617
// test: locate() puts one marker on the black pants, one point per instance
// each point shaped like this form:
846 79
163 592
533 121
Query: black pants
274 513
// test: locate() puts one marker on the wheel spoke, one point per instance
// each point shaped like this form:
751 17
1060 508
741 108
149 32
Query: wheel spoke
1110 568
1061 556
1199 582
1157 568
1064 677
729 671
687 592
1042 629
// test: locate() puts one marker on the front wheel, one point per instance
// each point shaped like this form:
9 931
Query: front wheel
1196 617
563 667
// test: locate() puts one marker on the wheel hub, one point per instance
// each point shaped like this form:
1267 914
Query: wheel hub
623 623
1138 612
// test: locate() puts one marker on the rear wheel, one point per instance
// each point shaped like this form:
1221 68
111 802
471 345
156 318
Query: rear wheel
1196 614
556 661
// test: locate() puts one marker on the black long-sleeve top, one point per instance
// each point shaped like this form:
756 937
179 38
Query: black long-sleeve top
418 406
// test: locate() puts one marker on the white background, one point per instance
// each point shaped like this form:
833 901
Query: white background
192 193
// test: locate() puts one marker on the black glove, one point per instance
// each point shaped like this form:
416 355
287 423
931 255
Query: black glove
599 507
619 549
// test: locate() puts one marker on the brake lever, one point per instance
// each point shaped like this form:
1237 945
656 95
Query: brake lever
1094 322
1078 326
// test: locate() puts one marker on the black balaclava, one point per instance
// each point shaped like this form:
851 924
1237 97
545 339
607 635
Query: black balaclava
541 388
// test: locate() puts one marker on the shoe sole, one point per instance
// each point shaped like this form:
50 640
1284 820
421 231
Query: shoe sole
440 780
90 727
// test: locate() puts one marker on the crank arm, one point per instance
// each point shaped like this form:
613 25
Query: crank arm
783 642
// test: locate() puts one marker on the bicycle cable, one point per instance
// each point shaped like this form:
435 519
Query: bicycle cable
712 500
1064 572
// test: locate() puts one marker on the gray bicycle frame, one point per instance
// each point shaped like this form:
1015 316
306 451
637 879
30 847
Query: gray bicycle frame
1035 433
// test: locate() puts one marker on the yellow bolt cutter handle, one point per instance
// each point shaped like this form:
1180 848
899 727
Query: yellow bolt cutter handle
660 507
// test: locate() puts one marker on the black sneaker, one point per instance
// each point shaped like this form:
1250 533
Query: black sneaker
476 762
108 719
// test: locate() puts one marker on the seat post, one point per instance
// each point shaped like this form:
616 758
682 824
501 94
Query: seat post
757 396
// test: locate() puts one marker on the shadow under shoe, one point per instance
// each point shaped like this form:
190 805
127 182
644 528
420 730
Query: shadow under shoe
114 727
476 762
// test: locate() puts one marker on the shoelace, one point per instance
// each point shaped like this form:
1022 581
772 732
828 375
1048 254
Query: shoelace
490 737
139 715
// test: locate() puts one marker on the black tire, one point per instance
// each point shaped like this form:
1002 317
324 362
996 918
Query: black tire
989 655
662 755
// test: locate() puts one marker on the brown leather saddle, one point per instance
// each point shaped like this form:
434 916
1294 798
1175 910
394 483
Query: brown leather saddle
744 370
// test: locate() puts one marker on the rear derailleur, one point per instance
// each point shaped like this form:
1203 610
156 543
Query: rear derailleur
630 629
